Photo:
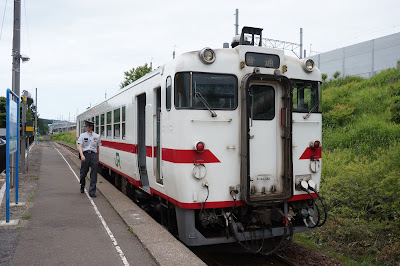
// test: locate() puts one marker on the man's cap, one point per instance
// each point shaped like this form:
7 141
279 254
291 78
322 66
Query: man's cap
89 123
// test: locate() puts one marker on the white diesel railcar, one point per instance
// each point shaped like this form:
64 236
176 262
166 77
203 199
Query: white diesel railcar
222 145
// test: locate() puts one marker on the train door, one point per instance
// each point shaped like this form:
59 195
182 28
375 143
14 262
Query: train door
264 139
141 139
158 148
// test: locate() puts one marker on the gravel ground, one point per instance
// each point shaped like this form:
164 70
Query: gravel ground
304 256
9 235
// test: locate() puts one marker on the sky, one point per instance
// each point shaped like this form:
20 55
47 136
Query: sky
79 50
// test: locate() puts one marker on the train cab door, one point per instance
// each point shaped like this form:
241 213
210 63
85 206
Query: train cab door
264 139
141 140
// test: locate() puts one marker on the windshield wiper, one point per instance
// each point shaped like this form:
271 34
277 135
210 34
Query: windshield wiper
311 110
204 101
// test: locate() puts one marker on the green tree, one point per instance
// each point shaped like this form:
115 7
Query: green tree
134 74
324 77
336 74
43 128
3 111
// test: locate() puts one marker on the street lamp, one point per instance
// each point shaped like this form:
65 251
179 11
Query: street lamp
24 58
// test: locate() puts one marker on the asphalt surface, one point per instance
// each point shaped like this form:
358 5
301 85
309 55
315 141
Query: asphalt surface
65 229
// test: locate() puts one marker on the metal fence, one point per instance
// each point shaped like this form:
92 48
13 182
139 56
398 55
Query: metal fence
364 59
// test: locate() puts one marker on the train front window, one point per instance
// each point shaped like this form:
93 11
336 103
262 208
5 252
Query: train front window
197 90
306 96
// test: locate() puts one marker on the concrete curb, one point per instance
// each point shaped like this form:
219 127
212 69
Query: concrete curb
162 246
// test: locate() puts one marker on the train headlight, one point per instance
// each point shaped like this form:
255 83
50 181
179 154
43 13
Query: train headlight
309 65
207 55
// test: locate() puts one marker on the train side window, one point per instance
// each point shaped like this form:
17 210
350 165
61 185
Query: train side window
182 90
97 125
168 93
205 90
305 96
109 132
102 125
123 122
117 125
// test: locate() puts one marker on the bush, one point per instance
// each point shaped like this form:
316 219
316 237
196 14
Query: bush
68 138
324 77
339 115
336 74
360 239
364 136
394 93
360 174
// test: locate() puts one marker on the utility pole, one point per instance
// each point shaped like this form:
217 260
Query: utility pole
301 43
16 56
237 22
36 125
16 50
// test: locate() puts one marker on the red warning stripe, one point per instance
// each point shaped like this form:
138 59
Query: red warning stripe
311 152
188 156
132 148
169 155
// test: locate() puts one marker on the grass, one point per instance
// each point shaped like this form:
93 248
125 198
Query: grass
131 230
361 171
31 198
68 138
26 216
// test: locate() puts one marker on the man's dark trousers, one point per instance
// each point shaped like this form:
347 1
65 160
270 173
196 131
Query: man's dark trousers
92 162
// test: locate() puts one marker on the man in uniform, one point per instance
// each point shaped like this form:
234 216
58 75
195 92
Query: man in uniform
88 146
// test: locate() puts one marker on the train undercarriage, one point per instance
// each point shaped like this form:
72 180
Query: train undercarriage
258 229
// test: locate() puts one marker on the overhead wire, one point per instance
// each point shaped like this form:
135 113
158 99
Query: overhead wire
27 29
4 15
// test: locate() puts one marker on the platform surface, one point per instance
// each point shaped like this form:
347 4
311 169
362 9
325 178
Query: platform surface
65 229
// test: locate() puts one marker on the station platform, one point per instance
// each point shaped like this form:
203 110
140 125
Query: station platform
67 227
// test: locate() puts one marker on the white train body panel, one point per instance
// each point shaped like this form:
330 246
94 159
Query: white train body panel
224 154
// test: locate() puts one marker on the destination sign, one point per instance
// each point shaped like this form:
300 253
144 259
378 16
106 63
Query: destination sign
262 60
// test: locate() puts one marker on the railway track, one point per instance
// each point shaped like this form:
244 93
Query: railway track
233 254
72 150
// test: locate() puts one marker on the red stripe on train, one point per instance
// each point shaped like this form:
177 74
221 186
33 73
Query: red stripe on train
188 156
169 155
311 152
132 148
218 204
302 197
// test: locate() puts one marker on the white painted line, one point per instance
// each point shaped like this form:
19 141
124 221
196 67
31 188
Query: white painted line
2 192
110 234
29 150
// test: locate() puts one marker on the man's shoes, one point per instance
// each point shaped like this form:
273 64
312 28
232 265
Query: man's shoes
92 195
82 189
